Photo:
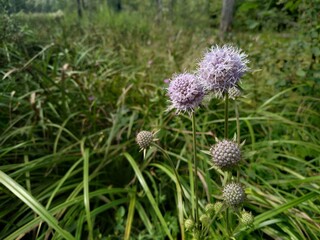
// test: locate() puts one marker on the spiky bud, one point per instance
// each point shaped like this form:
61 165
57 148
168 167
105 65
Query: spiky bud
209 209
144 139
205 219
217 206
234 92
246 218
189 224
196 235
226 154
233 194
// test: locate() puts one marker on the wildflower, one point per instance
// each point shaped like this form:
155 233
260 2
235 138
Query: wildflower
205 219
144 139
221 69
185 92
233 194
209 209
225 154
189 224
246 218
218 206
234 92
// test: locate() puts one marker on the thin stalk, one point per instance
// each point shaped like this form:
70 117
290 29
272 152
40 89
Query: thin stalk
226 116
227 176
171 164
191 182
238 129
180 193
195 168
28 181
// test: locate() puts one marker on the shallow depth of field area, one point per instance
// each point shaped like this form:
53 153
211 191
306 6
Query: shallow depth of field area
80 79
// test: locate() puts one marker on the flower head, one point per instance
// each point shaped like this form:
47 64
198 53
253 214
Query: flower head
218 206
185 92
233 194
144 139
226 154
221 69
205 220
189 224
209 209
246 218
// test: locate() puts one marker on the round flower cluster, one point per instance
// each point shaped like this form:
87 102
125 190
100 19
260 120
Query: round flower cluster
205 220
246 218
226 154
189 224
221 69
144 139
233 194
185 92
218 206
209 209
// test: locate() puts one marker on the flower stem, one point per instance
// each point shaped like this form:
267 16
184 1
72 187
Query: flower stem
195 168
237 121
238 130
226 116
180 193
171 165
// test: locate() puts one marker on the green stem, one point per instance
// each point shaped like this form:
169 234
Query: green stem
171 164
180 193
237 121
191 182
195 168
226 116
238 131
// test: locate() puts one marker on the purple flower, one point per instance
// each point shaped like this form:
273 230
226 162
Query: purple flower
185 92
221 69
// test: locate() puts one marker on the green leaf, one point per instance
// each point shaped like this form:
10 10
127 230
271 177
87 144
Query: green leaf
28 199
259 220
148 193
301 73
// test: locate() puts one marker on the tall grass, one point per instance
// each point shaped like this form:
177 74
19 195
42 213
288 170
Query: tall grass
73 100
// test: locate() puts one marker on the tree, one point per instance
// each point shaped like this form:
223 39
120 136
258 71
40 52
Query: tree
79 8
226 16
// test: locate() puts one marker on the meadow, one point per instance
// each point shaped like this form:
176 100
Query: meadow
75 94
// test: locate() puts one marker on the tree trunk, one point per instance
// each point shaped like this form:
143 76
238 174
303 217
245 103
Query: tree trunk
226 16
159 11
119 6
79 9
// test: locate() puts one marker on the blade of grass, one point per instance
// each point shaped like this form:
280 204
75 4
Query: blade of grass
167 170
86 191
28 199
130 216
148 193
258 221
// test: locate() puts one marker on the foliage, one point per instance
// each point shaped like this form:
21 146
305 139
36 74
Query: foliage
74 94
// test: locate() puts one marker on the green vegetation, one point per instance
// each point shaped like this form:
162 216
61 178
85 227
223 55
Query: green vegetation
75 92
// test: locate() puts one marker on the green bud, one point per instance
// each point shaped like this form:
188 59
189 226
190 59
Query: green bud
205 219
189 224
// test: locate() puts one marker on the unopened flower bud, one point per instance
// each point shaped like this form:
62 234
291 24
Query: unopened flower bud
144 139
189 224
217 206
225 154
246 218
205 219
233 194
209 208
